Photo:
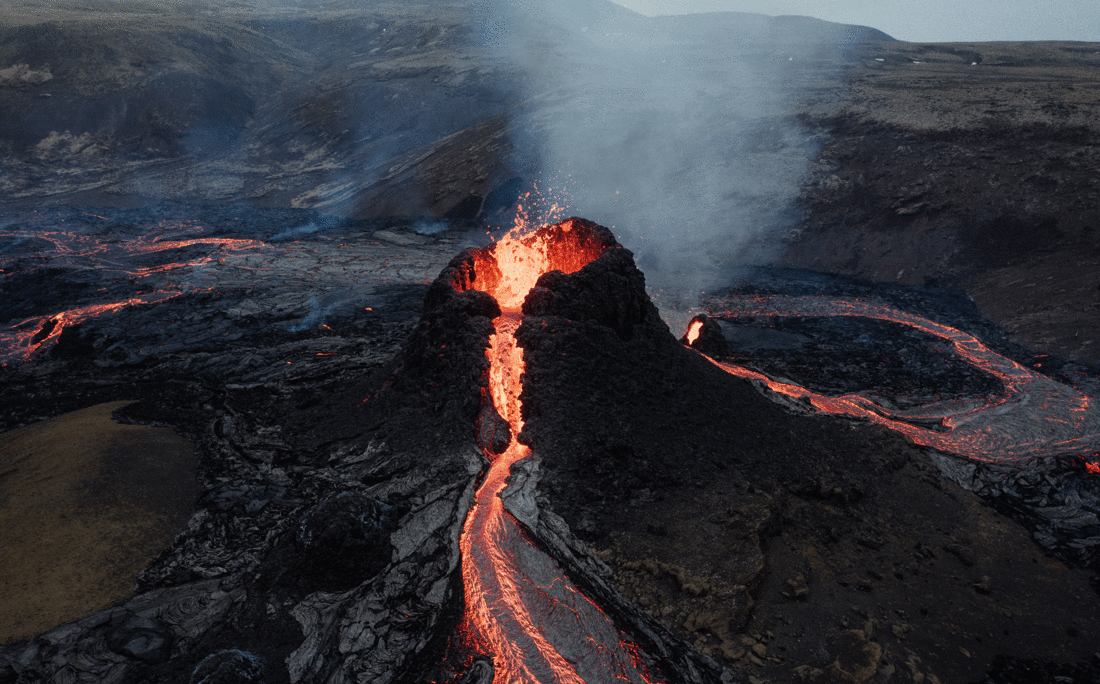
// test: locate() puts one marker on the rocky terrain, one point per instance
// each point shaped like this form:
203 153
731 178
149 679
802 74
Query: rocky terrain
835 545
334 331
973 166
323 165
215 102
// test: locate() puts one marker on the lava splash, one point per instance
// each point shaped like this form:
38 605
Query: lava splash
520 606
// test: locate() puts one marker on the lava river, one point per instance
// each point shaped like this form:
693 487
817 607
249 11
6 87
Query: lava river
78 248
520 606
1035 415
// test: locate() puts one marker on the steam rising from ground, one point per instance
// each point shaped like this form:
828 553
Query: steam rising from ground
674 130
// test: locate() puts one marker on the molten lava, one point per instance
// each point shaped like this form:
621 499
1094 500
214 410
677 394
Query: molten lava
1036 416
83 251
694 330
520 606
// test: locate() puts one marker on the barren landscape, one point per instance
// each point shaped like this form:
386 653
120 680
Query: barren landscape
274 230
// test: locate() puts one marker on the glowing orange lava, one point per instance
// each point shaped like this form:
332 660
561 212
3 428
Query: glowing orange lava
520 606
1036 415
694 330
36 333
79 251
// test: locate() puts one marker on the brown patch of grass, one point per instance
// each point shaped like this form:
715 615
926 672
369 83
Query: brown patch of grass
85 505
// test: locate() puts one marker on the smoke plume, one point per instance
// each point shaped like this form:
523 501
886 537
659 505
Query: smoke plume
677 131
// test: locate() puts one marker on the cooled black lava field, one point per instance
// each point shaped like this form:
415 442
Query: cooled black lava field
296 353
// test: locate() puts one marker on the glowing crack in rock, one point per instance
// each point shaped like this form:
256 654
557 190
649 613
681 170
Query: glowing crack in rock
520 606
1035 416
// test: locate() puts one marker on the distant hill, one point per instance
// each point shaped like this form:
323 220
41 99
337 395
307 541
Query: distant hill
352 108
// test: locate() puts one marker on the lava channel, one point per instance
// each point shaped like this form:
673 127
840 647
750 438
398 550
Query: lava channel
1035 416
21 340
520 606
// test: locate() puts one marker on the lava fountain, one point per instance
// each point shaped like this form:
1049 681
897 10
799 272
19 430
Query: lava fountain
520 606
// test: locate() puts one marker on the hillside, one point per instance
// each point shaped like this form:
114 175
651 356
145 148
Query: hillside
973 165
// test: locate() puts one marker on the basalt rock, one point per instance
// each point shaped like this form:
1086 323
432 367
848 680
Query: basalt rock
337 545
1057 498
632 430
230 666
609 291
709 338
443 368
143 638
331 561
324 541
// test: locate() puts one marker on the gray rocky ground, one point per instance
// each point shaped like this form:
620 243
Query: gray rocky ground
972 165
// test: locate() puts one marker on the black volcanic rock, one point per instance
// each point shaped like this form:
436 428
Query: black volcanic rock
336 545
1011 670
442 376
709 338
609 292
140 637
340 451
231 666
73 344
676 473
334 481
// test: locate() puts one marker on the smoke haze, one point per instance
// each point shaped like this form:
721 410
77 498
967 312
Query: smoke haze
675 131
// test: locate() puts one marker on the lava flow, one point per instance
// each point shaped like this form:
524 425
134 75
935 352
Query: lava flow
694 330
1035 416
75 250
520 606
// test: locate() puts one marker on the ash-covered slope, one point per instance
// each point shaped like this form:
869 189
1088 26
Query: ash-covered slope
365 109
971 165
282 108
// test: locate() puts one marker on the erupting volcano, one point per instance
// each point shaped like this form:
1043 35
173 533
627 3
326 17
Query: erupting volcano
520 606
426 454
530 468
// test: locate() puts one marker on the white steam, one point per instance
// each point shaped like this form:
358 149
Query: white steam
676 131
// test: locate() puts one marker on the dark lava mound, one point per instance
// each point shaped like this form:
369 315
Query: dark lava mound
782 545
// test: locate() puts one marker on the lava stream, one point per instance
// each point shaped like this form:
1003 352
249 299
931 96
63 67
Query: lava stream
109 256
31 334
1035 416
520 606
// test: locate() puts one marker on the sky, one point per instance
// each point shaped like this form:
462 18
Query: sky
937 21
